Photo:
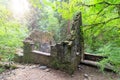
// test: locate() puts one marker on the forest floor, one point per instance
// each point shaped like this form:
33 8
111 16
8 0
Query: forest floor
35 72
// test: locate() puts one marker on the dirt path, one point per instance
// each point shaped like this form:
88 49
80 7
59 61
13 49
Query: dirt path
33 72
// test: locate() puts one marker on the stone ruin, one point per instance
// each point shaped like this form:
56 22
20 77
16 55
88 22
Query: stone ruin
42 40
40 47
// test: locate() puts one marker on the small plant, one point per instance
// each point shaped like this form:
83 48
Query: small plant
1 69
113 60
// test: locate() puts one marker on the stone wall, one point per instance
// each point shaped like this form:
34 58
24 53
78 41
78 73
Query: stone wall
42 40
64 56
68 54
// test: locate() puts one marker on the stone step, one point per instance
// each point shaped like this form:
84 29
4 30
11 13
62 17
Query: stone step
41 53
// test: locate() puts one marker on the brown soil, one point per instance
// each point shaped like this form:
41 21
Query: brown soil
33 72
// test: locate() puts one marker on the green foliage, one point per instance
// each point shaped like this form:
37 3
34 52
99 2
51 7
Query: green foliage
11 34
35 3
45 18
1 70
113 53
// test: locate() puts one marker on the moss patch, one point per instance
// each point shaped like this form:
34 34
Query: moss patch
64 66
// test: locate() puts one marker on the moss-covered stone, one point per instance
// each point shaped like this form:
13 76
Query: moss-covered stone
63 55
28 47
64 66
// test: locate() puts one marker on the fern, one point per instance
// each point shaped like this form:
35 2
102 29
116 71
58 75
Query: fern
113 53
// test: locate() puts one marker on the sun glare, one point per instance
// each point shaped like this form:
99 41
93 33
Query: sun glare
19 7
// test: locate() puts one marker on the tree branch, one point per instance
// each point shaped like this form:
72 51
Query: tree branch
104 2
100 12
105 22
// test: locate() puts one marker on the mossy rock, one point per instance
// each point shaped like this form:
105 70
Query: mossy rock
65 66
